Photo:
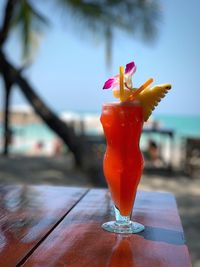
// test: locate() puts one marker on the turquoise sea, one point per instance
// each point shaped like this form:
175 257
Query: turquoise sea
184 126
27 135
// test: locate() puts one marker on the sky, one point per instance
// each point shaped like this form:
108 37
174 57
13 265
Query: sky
69 70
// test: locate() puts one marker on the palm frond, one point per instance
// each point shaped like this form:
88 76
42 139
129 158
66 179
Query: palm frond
95 17
29 21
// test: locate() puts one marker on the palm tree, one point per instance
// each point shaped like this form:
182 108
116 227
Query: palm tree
101 17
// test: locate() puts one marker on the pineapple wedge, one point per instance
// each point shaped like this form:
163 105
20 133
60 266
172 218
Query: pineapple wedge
150 97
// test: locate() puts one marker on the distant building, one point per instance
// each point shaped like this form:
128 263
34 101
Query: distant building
21 115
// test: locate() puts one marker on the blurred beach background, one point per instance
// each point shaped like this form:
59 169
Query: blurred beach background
66 66
28 131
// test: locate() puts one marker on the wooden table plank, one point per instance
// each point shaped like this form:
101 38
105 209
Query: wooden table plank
79 241
28 214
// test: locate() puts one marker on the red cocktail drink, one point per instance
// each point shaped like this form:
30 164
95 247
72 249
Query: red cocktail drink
123 161
122 123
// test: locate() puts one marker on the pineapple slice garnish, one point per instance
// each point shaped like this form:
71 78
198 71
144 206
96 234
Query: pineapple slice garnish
150 97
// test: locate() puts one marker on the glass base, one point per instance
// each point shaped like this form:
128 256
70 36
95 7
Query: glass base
120 228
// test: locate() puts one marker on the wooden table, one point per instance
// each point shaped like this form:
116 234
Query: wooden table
61 226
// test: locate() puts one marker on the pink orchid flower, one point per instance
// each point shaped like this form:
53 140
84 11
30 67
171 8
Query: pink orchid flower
113 82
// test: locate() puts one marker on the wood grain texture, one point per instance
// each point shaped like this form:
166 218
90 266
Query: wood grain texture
28 214
79 241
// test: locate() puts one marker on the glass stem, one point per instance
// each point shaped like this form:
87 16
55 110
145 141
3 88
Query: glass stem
120 219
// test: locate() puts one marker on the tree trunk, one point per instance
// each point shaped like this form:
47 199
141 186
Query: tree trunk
49 117
7 130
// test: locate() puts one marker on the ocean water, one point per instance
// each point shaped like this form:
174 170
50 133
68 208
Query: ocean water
26 136
183 126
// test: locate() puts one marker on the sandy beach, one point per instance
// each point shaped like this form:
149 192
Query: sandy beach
55 171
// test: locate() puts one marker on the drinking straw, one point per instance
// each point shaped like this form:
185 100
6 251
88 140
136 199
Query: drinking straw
140 89
121 80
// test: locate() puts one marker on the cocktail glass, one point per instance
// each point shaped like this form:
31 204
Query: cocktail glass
123 161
